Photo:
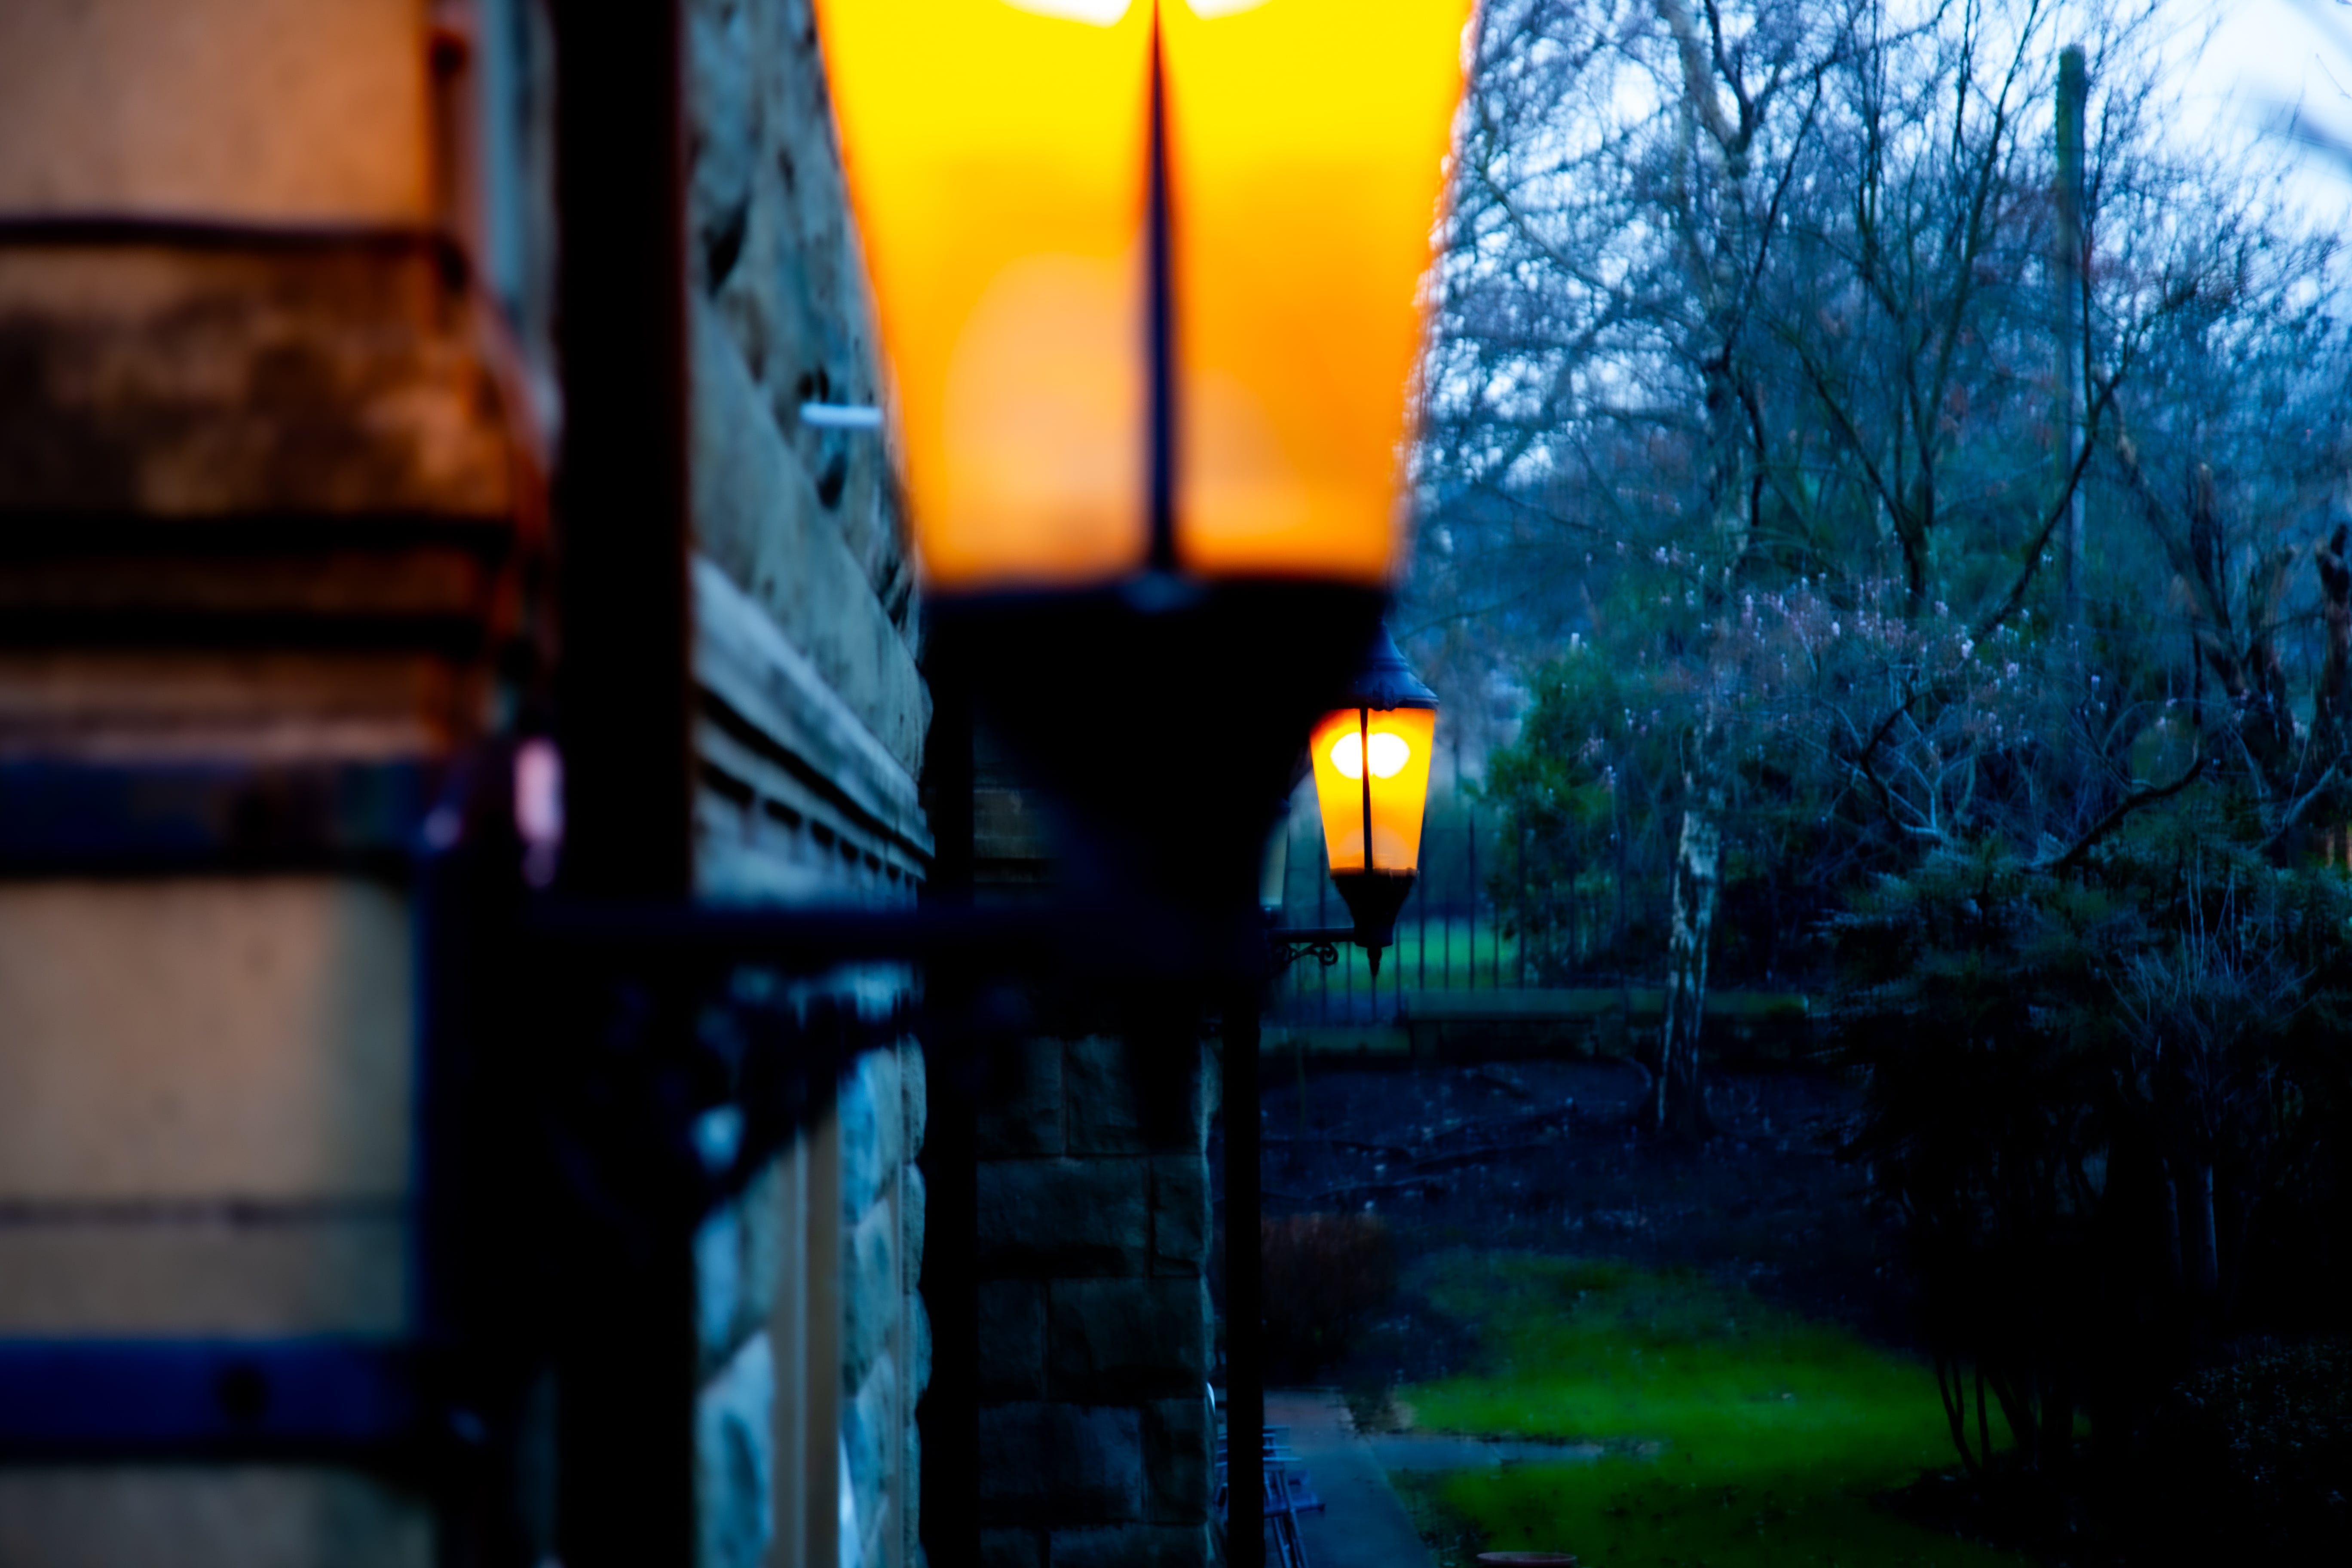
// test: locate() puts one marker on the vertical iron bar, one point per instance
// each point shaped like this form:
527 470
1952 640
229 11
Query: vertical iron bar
1348 952
1364 777
1322 917
948 1417
1396 982
1245 1369
1421 959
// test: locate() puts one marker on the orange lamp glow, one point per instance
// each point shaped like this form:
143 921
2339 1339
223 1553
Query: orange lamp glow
998 158
1381 805
1371 782
1147 273
1308 143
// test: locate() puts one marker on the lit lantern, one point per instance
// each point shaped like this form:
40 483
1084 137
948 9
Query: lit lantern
1147 277
1147 273
1372 781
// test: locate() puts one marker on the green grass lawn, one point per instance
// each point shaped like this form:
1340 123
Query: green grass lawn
1736 1433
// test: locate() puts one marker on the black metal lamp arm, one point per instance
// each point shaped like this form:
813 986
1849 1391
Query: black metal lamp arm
1319 942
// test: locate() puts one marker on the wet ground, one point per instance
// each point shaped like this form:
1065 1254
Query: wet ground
1549 1157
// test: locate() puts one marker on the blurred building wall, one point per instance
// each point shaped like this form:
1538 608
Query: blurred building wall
277 405
257 501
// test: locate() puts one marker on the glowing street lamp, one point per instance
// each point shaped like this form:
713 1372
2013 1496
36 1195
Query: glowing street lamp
1147 273
1147 276
1372 781
1148 281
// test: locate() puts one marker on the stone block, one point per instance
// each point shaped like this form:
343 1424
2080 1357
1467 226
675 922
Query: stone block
914 1087
93 1276
914 1197
918 1348
1179 1451
759 516
205 382
872 1131
204 1037
1011 1340
870 1294
1120 1338
1012 1549
738 1265
762 1216
869 1431
717 1284
1014 1484
1105 1097
211 1516
735 1460
1180 1215
288 112
1072 1217
1020 1109
910 1493
1055 1463
1124 1097
720 119
1133 1546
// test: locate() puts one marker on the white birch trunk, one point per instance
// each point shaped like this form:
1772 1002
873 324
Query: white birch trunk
1681 1111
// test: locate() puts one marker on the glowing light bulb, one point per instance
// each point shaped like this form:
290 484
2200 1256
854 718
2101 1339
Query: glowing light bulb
1390 754
1094 12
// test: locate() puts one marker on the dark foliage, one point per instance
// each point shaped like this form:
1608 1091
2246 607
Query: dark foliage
2103 1108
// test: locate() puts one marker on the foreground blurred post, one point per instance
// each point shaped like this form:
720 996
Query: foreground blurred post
1244 1275
625 1367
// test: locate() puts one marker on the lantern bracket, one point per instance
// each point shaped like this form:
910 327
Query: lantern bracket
1319 942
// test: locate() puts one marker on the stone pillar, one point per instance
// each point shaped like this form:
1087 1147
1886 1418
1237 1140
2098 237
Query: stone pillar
1095 1327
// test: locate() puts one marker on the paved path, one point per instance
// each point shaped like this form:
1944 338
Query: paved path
1363 1526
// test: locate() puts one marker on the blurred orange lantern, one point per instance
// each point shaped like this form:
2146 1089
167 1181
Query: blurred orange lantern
1147 274
1371 780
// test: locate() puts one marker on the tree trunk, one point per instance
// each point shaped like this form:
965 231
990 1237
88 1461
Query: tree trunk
2072 90
2208 1242
2332 722
1681 1109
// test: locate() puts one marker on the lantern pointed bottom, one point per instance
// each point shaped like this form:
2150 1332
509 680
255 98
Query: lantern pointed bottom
1374 897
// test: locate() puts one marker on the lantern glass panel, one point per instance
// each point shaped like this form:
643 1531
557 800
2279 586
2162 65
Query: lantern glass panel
997 161
1307 149
1401 743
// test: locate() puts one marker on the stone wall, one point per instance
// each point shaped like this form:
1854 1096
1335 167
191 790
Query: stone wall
1095 1327
814 1347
